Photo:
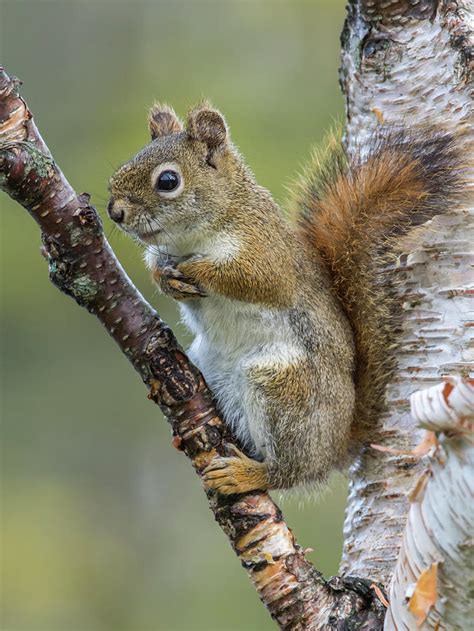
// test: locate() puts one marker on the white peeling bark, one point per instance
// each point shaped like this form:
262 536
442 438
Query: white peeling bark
406 62
438 535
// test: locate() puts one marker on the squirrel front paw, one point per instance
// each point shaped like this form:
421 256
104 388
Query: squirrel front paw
174 283
235 474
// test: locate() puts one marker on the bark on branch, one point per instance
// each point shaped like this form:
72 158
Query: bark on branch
82 265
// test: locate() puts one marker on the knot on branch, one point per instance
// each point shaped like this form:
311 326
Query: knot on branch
162 339
87 215
174 380
358 604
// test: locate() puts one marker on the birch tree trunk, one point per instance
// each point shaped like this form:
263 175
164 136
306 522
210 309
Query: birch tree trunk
410 63
403 61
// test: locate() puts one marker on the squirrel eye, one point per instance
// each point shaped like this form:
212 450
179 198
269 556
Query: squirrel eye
168 181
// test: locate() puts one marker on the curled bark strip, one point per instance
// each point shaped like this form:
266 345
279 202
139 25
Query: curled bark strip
82 265
433 582
447 407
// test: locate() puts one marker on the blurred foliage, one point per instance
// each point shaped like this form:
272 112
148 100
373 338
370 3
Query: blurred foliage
104 526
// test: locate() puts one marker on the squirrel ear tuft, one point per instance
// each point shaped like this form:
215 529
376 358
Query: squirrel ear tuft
162 121
207 125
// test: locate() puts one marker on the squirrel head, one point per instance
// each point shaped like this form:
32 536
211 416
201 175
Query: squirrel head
183 184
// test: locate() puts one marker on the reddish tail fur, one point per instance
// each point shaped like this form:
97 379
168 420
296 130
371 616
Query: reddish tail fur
353 213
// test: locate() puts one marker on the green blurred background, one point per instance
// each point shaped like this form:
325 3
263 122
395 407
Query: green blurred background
104 525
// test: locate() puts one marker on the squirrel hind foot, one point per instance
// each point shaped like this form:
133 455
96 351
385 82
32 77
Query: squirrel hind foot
235 474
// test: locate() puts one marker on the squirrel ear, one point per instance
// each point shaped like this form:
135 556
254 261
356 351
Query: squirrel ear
208 125
163 121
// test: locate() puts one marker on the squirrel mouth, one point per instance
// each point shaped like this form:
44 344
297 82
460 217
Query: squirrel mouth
149 237
148 233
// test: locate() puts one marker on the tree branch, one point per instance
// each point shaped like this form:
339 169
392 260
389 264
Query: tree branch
82 265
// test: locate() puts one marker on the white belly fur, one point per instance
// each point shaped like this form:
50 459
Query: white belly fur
232 336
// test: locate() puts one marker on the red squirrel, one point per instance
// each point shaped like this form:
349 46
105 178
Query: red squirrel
293 324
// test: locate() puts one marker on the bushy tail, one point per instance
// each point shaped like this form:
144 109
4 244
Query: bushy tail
353 213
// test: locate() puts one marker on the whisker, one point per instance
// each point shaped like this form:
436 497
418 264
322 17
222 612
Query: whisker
112 231
153 246
162 228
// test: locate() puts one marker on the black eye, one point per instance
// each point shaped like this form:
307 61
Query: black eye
168 181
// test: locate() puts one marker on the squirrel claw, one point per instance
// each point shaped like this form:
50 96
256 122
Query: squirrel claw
235 474
174 283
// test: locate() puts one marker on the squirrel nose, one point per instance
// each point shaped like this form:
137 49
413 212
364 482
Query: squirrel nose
115 213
